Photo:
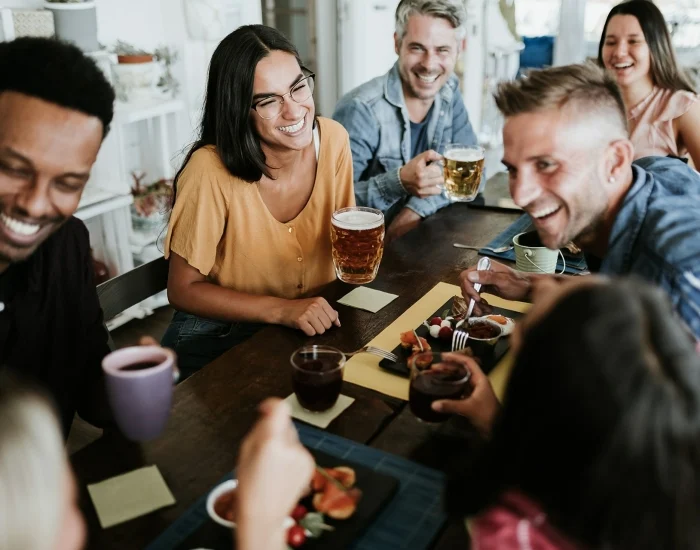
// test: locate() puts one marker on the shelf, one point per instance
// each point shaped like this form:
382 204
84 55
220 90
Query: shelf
96 201
125 113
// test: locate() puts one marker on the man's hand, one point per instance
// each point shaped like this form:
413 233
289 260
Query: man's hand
420 178
481 407
273 471
404 221
500 280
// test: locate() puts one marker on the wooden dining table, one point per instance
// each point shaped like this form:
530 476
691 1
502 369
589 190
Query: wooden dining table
213 409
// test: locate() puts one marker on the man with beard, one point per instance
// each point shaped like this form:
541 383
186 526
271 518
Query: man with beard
55 110
399 123
570 167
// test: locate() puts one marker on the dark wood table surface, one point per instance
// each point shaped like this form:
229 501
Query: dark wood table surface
213 409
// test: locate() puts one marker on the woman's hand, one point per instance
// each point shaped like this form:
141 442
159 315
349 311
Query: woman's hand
312 315
273 471
481 406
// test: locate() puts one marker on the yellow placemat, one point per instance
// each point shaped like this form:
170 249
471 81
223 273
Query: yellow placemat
364 369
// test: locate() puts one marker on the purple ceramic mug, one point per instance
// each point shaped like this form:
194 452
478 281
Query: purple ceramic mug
139 384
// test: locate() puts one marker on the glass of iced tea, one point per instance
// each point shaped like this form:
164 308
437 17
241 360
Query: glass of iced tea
464 165
357 239
317 376
434 377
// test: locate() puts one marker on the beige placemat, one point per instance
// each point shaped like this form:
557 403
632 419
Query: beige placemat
319 419
128 496
364 369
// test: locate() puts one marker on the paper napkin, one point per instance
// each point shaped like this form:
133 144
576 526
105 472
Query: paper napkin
320 419
128 496
367 299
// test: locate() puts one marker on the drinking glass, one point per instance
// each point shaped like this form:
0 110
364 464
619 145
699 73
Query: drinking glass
317 376
463 166
357 239
434 377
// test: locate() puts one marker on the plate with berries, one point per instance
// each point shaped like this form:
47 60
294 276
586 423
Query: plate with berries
488 342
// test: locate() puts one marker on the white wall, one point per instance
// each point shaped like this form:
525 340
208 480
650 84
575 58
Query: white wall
150 23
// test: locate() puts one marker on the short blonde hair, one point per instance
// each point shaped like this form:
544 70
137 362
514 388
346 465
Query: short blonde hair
586 87
32 470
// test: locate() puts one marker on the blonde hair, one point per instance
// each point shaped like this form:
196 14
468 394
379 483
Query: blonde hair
585 87
33 470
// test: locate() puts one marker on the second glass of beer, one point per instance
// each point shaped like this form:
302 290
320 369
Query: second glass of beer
464 165
357 239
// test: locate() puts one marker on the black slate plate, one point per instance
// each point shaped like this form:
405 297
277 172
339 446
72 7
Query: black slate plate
377 490
401 367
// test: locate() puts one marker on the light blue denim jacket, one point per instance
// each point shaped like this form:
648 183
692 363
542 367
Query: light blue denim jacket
656 233
376 117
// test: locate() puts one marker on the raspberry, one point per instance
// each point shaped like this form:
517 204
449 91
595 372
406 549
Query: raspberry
435 321
445 334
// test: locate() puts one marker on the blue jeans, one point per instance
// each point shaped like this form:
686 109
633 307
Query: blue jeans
198 341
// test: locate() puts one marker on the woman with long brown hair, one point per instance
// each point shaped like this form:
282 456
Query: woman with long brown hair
662 104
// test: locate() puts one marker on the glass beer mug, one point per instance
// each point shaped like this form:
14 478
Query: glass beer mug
357 239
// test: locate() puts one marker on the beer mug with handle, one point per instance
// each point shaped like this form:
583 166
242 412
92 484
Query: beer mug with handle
357 240
463 165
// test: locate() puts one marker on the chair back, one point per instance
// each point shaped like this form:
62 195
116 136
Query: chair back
132 287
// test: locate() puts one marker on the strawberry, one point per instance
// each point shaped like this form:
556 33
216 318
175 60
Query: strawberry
445 334
435 321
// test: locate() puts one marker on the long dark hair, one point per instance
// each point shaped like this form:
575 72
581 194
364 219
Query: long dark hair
226 117
664 69
600 423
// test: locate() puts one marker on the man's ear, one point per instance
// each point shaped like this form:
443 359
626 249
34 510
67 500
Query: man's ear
619 157
397 43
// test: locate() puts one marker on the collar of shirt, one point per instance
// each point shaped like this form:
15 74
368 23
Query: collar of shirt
628 223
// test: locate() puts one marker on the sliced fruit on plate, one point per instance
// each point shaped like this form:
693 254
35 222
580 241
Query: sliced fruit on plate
409 341
335 502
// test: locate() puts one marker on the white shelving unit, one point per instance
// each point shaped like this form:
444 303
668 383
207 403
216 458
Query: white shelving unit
141 139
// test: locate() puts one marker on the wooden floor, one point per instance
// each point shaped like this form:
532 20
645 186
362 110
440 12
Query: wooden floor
153 325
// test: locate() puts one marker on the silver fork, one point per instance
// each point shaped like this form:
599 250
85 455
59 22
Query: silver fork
497 250
459 340
375 351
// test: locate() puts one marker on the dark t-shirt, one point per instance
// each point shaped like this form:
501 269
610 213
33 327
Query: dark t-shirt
419 135
51 328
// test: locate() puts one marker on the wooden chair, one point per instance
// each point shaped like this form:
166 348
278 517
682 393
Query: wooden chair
132 287
115 296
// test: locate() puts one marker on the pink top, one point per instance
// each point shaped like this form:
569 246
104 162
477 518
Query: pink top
516 523
651 122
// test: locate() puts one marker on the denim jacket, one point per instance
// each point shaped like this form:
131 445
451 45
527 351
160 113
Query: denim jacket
376 117
656 233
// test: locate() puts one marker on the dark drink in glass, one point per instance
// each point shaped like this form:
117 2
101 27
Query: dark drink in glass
434 377
317 376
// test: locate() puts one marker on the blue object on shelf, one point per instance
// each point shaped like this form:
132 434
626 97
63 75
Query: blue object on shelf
538 52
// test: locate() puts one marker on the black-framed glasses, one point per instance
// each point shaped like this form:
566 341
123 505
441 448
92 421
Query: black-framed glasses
271 106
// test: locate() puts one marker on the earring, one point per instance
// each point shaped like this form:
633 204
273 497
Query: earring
611 179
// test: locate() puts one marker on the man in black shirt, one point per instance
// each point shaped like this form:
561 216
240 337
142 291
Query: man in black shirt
55 110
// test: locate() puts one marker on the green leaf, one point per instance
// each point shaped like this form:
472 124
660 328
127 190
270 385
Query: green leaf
445 313
314 523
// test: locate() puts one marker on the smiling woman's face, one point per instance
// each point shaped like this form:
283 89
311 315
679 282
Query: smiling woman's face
292 128
626 52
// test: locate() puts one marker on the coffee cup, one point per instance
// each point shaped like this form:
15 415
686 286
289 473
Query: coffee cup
139 382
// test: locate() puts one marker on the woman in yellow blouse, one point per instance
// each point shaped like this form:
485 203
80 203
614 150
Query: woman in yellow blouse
249 234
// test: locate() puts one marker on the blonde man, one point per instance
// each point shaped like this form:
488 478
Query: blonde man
570 166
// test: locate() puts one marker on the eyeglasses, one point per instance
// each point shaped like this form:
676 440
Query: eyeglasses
271 106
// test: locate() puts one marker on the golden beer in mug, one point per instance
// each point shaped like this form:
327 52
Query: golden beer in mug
464 166
357 240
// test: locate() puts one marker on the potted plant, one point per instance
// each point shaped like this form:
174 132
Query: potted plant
151 201
167 83
135 74
75 21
